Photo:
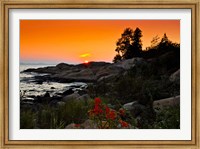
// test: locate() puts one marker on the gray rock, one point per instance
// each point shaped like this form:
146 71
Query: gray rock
129 63
84 97
73 96
89 124
129 106
135 108
60 103
82 92
81 73
70 126
175 76
105 78
162 103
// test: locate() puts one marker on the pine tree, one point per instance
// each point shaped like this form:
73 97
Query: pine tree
124 43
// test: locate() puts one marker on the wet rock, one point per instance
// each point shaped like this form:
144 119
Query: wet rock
39 82
27 99
82 92
46 94
73 96
68 92
31 96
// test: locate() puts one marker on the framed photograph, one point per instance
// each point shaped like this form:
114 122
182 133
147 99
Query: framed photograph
99 74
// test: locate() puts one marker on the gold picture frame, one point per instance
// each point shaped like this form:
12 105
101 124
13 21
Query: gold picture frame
4 52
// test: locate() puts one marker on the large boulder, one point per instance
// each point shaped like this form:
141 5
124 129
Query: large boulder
75 75
71 126
162 103
84 97
135 108
129 106
88 124
63 66
73 96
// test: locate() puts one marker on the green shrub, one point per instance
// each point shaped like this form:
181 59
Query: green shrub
27 119
168 118
48 117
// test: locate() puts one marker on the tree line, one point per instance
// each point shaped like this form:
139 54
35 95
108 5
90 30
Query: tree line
130 45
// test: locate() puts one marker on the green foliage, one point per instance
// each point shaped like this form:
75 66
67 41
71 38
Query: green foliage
143 82
99 89
168 118
27 119
126 89
74 111
49 117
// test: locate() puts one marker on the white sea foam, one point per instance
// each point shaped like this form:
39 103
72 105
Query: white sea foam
30 88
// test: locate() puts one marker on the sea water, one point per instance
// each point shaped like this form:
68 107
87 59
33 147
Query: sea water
29 88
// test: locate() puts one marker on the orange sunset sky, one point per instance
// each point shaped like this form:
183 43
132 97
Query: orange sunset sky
75 41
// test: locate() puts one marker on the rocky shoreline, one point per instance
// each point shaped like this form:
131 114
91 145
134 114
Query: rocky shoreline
92 74
65 73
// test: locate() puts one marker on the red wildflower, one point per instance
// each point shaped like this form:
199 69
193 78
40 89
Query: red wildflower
111 115
123 124
107 110
97 101
122 112
97 109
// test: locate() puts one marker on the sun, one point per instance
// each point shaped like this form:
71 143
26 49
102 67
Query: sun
86 61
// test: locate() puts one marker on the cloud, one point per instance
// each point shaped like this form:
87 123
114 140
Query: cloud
85 55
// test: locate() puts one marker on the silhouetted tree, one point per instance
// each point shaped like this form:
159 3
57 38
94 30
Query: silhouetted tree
129 45
164 39
117 58
137 43
160 47
154 41
165 42
124 43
